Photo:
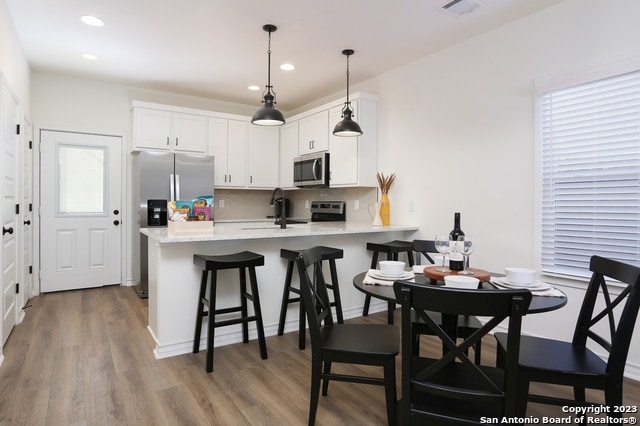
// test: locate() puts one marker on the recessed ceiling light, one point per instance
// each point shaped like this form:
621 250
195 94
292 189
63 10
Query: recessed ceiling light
287 67
92 20
254 88
90 56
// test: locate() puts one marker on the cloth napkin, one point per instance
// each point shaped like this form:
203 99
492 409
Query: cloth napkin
371 280
549 292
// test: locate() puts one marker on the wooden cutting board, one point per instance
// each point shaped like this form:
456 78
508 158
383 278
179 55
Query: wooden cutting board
435 275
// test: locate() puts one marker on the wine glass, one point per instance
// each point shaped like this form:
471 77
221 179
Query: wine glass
443 247
467 248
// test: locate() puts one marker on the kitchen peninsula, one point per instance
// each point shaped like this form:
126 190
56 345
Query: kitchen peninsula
174 280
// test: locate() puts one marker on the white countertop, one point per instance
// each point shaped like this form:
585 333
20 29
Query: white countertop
258 230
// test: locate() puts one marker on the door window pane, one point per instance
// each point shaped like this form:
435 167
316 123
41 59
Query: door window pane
81 174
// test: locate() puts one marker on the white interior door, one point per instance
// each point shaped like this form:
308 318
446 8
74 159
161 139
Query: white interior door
9 195
80 210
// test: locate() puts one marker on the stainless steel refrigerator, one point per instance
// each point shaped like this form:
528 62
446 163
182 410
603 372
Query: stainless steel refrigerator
164 176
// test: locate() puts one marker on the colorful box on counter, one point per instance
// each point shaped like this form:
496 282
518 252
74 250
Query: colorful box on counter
198 209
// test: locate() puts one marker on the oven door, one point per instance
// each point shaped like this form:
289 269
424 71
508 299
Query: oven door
311 171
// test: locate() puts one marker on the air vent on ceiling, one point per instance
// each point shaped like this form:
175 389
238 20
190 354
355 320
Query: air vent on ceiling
461 7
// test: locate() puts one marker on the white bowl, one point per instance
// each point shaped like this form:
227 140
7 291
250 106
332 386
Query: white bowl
391 268
520 275
460 281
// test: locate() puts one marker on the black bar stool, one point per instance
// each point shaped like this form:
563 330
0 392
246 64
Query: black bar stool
391 249
328 253
241 261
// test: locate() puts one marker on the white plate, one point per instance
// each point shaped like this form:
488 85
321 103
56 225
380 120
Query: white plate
375 273
536 285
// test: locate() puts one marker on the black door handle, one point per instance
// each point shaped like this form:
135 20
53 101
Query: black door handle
116 222
7 231
27 222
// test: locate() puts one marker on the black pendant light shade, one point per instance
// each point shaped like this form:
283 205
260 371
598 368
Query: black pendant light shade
347 127
268 115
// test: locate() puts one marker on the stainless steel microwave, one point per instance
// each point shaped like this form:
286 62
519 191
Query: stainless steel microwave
311 170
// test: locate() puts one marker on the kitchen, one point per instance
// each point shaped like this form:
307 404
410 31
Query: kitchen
477 95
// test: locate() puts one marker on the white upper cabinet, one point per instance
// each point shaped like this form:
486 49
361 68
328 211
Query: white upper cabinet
288 151
312 131
167 130
343 162
263 156
354 160
228 144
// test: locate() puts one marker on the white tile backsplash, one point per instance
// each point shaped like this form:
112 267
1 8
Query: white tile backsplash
249 204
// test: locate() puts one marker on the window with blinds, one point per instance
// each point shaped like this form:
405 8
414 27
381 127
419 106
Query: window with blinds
590 173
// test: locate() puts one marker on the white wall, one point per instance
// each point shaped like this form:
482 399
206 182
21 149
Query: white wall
459 129
13 63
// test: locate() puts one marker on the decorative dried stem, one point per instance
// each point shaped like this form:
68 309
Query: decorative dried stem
385 182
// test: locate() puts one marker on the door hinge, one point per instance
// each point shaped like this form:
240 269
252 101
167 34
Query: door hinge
17 288
17 129
17 208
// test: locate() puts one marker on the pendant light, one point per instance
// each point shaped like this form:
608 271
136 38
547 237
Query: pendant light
347 127
268 115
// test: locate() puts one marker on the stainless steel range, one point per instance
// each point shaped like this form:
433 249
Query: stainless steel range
328 211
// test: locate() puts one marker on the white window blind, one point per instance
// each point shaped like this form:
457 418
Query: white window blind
590 163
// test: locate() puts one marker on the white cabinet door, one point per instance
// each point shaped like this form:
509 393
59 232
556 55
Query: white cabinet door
218 148
228 145
166 130
151 129
313 133
238 133
189 133
263 156
344 152
288 151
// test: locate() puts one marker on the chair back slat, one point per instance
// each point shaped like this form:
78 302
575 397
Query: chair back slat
453 381
424 248
314 294
620 323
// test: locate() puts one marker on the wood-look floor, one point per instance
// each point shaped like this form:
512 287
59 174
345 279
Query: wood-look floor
84 358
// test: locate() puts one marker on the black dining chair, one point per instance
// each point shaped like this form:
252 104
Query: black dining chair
362 344
467 325
573 363
452 389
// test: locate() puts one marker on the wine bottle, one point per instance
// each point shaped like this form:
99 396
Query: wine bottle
456 260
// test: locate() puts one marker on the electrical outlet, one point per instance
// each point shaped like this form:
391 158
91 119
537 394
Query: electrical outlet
356 204
221 203
306 204
412 206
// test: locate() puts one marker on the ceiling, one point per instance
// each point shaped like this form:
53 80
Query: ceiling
217 48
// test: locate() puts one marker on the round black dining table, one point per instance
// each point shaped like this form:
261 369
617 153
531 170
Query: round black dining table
538 304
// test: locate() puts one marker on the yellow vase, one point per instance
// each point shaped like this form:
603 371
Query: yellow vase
385 210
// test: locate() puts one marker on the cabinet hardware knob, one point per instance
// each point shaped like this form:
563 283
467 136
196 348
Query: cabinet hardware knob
27 222
116 211
7 231
116 222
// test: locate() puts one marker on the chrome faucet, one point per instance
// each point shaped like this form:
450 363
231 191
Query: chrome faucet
283 215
